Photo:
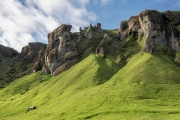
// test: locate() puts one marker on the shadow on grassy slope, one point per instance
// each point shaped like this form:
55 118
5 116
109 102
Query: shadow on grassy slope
107 68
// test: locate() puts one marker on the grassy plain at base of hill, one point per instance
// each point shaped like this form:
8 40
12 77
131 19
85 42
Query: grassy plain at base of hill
148 87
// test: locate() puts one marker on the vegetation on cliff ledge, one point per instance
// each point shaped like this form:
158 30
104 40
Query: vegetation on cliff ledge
114 78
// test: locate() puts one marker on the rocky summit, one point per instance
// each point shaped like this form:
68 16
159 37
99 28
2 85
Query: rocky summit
159 32
7 52
160 29
33 53
61 52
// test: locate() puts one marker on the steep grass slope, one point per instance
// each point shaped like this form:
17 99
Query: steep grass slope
10 69
146 88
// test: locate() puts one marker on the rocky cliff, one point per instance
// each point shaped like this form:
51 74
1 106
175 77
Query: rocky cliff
161 29
150 31
33 53
14 65
61 52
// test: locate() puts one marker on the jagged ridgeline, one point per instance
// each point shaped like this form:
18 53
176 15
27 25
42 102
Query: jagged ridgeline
131 72
150 31
65 49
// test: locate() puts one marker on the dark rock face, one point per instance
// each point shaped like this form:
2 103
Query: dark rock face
30 52
123 30
8 52
172 19
65 49
45 69
160 29
101 50
152 25
106 45
33 53
130 28
40 60
134 27
61 52
172 16
24 52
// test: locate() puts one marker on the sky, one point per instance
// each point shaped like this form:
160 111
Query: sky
24 21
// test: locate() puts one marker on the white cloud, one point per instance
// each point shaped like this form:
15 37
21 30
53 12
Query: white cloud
32 20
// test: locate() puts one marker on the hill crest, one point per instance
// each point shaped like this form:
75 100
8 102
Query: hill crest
158 32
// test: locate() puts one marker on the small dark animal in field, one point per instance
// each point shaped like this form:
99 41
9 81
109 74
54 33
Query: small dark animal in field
31 108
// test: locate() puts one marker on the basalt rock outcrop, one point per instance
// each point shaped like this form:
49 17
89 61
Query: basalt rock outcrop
161 29
30 52
64 49
130 27
33 53
107 45
39 60
61 52
89 39
154 26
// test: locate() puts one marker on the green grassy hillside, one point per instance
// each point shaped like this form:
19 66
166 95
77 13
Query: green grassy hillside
147 87
10 69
